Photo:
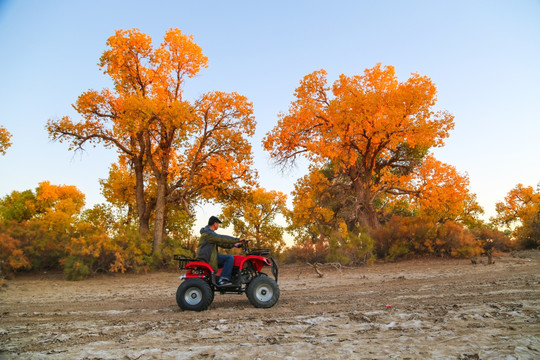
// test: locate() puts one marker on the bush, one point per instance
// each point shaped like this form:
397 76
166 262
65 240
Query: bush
398 250
499 241
173 245
101 242
11 256
528 236
351 248
404 236
309 251
75 268
457 241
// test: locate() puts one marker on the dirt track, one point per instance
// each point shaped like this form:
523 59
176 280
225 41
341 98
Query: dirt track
439 309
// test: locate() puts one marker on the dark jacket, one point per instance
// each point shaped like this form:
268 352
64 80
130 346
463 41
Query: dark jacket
209 242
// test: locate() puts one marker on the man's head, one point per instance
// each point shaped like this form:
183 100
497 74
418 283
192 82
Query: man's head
214 222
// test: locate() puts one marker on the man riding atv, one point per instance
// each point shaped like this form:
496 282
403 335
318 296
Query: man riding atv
242 274
208 250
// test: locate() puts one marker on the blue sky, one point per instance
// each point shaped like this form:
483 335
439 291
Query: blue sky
484 57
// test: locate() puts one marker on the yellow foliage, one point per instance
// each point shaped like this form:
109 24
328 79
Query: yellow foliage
171 151
12 257
403 236
443 191
372 129
368 117
66 199
309 200
5 140
520 206
253 214
520 213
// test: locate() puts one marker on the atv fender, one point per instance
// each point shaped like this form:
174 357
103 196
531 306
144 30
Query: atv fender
258 261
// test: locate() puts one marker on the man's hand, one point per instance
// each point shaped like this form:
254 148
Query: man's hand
240 243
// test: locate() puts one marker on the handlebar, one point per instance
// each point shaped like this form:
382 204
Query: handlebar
247 250
245 246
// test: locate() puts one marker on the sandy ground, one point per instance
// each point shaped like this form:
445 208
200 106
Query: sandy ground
439 309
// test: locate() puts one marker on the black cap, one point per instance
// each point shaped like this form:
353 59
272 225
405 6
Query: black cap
213 220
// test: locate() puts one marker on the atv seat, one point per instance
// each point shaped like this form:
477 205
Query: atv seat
236 264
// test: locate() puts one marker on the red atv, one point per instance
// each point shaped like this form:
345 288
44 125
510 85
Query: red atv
196 292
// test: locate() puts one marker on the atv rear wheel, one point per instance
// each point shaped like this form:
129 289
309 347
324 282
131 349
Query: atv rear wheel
194 295
262 292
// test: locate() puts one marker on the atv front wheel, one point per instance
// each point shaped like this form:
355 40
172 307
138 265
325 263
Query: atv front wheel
194 295
262 292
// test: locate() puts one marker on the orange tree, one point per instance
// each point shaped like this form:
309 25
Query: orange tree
5 140
176 151
520 211
370 131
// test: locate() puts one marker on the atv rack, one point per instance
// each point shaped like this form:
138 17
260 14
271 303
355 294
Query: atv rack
183 260
259 252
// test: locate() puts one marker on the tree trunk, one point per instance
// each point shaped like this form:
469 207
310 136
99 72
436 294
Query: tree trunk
144 227
258 237
143 212
370 216
366 213
159 224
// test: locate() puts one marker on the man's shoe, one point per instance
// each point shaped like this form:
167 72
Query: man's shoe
224 282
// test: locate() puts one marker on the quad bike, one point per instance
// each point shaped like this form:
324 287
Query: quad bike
196 292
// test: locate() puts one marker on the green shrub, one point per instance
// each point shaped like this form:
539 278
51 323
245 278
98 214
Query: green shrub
75 268
351 248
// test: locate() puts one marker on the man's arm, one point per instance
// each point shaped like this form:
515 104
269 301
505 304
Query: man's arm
225 241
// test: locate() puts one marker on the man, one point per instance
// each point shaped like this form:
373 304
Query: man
208 249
